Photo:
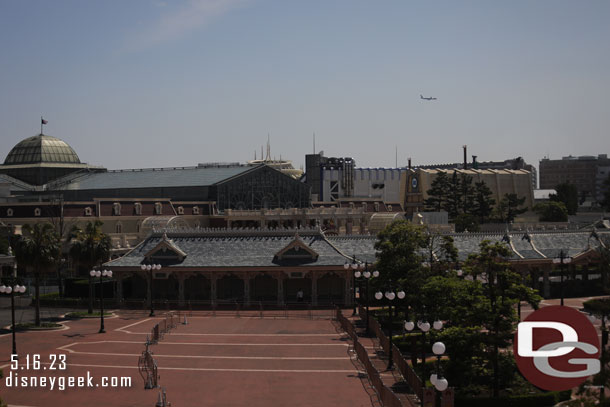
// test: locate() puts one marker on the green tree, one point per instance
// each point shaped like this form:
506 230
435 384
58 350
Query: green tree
568 194
466 222
441 253
438 193
400 254
509 208
38 249
551 211
89 248
454 198
502 289
467 194
483 202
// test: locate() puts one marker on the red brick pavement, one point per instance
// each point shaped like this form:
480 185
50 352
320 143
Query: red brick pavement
222 361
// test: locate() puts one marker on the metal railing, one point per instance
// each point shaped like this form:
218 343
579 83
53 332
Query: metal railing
386 395
407 372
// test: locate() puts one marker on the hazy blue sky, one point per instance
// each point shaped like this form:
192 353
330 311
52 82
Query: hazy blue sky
134 83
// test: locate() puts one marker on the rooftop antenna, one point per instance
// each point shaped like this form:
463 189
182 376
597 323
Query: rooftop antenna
268 148
262 152
255 154
314 142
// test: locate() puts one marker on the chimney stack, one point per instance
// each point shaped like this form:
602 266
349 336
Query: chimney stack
465 156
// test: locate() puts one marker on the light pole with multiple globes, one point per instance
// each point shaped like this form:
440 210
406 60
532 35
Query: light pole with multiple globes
355 266
366 274
150 268
437 379
16 289
424 326
561 260
101 275
390 295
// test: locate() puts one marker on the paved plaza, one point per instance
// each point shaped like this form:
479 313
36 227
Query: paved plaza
214 360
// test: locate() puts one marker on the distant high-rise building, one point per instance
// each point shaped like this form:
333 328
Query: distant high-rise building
586 172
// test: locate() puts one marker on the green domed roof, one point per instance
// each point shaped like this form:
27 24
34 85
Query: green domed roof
41 149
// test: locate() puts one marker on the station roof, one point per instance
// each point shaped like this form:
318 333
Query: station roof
257 248
150 178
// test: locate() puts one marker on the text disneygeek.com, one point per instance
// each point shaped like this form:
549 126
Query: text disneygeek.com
18 376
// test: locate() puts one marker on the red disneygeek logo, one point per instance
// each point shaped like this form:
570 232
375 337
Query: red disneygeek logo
557 348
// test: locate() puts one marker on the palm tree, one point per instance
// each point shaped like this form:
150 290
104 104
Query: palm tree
38 249
90 247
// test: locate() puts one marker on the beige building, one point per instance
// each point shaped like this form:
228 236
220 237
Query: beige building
418 181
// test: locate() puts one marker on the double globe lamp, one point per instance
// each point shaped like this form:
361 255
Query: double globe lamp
18 289
100 274
150 268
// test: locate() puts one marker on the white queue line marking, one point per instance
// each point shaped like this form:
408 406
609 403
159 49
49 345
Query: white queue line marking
213 357
225 370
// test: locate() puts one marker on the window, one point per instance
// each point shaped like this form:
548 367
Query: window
9 212
158 208
180 210
116 209
137 208
88 211
195 210
376 206
37 212
118 228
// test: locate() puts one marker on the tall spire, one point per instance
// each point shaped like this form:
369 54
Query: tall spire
268 157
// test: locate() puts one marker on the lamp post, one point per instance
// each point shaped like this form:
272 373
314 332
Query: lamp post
561 260
12 290
150 268
437 379
366 274
390 296
424 326
355 266
101 275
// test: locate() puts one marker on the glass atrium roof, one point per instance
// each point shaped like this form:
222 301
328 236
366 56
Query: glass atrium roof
41 149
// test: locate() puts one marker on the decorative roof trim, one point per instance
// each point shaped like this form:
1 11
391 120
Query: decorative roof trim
166 244
298 245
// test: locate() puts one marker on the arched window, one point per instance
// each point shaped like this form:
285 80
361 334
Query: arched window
137 208
9 212
118 228
158 208
195 210
37 212
88 211
116 209
180 210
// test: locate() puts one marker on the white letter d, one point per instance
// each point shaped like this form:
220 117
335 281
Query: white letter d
525 338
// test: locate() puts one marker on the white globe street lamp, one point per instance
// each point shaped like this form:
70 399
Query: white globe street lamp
12 291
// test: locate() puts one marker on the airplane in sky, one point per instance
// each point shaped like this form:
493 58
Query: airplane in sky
430 98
